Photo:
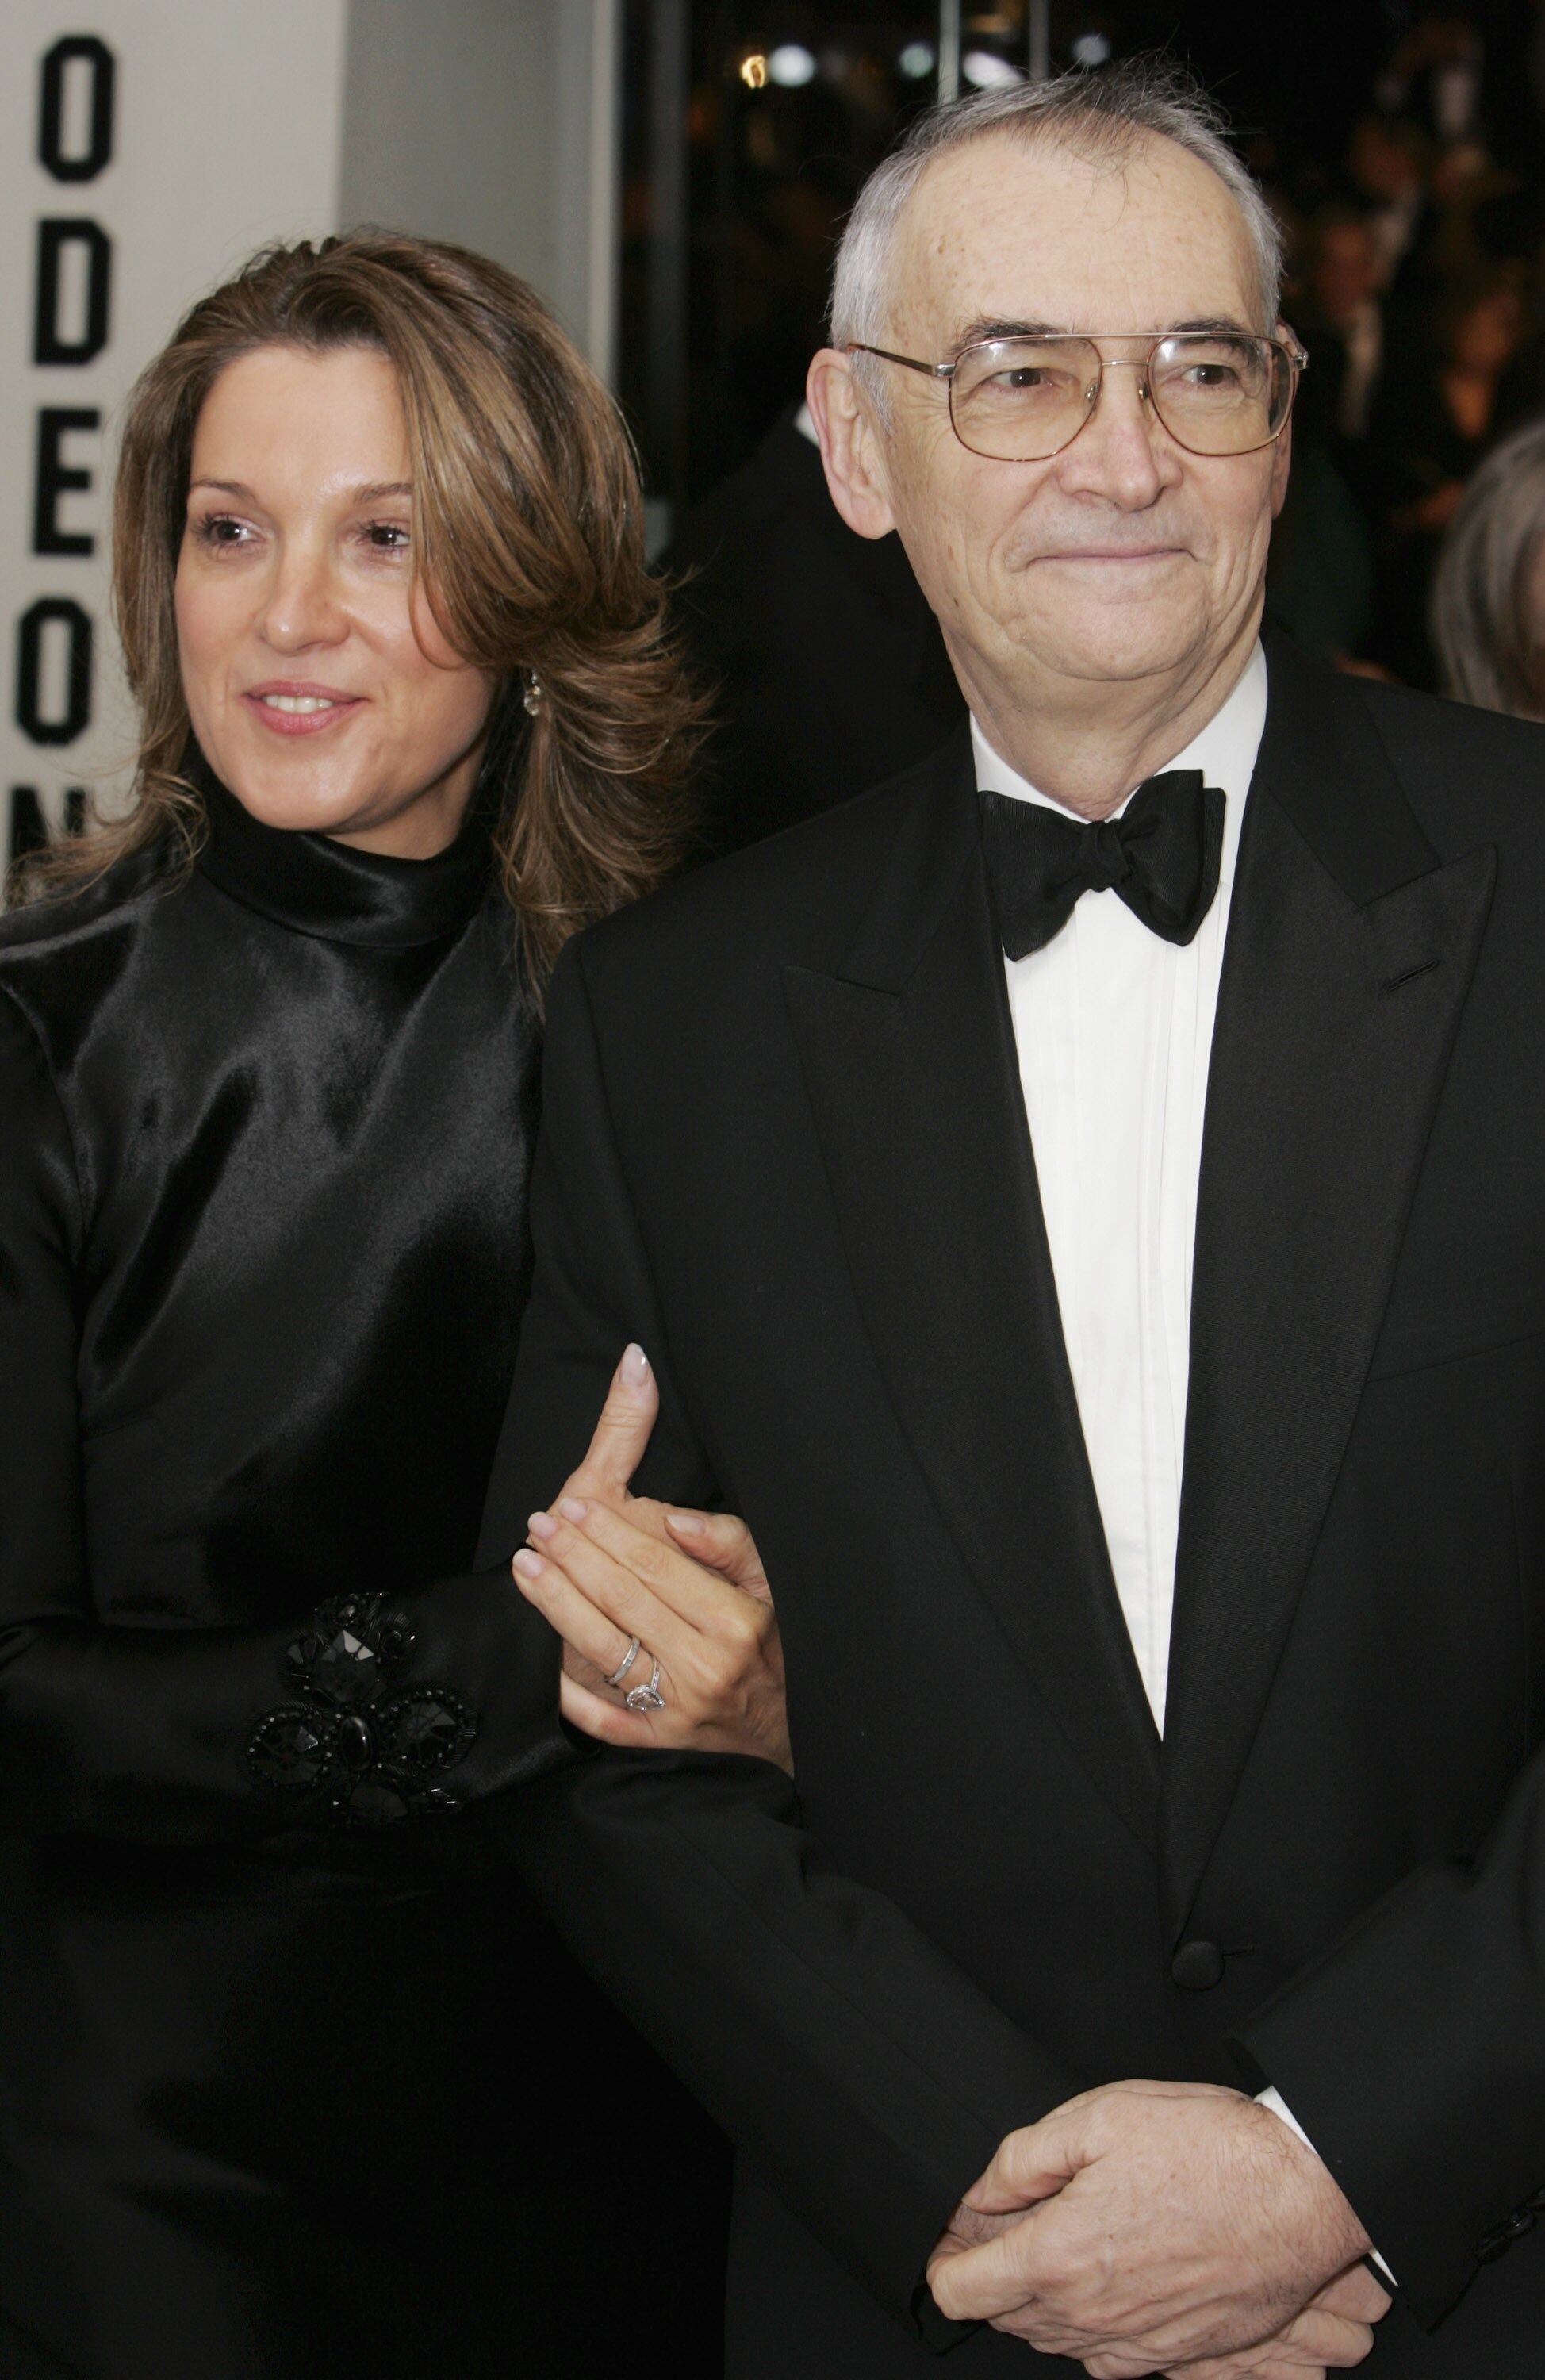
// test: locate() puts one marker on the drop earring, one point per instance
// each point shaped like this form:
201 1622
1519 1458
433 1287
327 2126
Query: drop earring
534 693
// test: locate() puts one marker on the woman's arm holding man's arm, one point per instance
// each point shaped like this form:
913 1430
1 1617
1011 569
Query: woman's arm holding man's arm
867 2076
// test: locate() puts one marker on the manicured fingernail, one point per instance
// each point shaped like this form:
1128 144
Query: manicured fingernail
543 1526
634 1366
689 1524
529 1565
572 1508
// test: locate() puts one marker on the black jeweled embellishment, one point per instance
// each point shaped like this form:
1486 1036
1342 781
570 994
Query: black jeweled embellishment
425 1730
356 1744
353 1647
366 1754
291 1749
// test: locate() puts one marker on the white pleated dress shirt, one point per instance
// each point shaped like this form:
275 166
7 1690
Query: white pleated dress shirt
1113 1030
1114 1027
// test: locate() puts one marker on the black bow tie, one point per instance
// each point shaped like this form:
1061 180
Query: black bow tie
1161 856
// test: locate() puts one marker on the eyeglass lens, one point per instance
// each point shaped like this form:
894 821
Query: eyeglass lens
1023 400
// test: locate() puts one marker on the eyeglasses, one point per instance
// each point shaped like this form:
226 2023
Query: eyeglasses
1023 400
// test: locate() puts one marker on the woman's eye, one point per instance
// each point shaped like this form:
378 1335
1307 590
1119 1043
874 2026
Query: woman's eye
387 536
220 530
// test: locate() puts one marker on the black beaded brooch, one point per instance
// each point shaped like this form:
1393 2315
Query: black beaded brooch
364 1753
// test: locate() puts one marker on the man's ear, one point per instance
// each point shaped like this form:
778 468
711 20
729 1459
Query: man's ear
1282 460
851 447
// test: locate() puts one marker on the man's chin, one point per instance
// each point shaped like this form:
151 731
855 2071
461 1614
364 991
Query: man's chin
1118 653
1112 625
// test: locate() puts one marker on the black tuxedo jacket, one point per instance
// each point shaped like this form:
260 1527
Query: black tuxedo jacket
785 1146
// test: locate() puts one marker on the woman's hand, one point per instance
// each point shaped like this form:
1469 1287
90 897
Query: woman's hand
606 1567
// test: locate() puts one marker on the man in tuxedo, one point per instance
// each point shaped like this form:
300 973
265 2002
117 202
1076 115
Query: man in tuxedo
1343 326
828 669
1085 1206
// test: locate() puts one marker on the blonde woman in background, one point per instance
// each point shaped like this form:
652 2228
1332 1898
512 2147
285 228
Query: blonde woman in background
1489 591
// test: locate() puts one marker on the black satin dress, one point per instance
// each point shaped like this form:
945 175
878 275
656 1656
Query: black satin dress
290 2082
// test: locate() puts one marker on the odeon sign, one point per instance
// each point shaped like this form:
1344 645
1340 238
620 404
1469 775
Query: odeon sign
71 325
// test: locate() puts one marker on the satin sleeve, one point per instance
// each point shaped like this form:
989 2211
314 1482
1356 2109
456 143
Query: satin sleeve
145 1734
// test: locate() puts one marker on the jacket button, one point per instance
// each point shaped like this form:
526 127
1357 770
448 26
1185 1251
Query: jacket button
1197 1966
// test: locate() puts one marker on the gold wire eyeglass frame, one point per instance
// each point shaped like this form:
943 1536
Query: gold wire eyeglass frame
1294 357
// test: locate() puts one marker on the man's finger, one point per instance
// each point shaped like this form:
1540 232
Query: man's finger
1325 2339
998 2277
632 1406
1356 2294
1313 2343
1031 2163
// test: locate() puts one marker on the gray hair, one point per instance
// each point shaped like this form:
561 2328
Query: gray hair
1485 625
1102 117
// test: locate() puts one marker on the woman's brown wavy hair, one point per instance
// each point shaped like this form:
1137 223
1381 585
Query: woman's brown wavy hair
528 529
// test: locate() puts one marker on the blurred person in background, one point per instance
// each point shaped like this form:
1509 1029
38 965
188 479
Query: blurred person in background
826 664
1386 163
1510 234
1319 571
1340 320
1489 588
290 2080
1433 424
1436 72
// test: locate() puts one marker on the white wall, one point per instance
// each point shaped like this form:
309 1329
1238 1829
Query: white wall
493 123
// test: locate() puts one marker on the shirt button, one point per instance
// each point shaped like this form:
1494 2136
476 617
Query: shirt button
1197 1966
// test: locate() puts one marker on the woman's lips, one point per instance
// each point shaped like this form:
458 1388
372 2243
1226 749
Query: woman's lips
298 709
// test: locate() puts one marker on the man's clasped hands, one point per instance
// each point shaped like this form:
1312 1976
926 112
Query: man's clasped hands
1172 2227
1141 2228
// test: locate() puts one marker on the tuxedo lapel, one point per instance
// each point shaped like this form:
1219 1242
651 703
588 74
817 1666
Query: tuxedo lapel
910 1062
1349 954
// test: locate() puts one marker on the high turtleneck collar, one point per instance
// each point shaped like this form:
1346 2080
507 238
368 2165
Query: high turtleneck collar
318 886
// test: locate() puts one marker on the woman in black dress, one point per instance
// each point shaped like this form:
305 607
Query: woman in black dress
290 2082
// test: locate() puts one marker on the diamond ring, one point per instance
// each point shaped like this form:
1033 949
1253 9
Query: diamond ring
649 1697
625 1664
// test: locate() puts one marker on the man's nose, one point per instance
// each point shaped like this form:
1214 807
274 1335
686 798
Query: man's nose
1121 453
303 604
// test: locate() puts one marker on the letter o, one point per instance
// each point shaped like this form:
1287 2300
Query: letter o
59 613
82 51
